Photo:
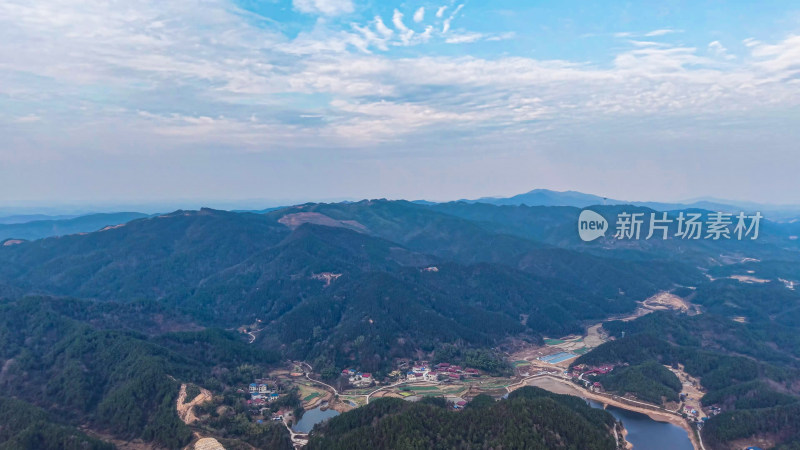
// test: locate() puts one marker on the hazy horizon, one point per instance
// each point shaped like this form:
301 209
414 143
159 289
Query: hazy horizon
168 205
149 101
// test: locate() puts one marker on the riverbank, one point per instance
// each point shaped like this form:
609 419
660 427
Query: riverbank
559 386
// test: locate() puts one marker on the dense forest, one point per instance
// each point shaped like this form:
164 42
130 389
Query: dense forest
102 328
530 418
750 369
24 426
649 381
123 383
217 268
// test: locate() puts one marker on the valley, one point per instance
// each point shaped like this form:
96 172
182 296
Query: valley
378 302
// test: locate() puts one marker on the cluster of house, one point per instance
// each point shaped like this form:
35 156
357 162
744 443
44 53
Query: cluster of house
261 393
583 369
439 372
696 413
358 378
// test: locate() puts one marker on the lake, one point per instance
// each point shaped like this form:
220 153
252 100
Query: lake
313 417
648 434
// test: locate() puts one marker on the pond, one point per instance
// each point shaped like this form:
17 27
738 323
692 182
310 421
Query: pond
313 417
648 434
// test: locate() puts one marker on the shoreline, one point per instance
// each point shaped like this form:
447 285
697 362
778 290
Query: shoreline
565 387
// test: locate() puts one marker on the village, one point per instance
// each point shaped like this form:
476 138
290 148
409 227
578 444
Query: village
549 366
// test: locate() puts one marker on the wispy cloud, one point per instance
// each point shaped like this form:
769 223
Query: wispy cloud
719 50
325 7
662 32
193 75
502 36
446 25
405 33
419 15
464 38
30 118
385 31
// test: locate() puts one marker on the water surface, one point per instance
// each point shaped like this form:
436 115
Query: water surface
313 417
648 434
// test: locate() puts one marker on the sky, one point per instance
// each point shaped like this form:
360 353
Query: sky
136 101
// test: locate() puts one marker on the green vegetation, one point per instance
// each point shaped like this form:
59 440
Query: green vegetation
162 288
750 370
236 425
224 269
192 391
482 359
649 381
732 425
530 418
123 383
24 426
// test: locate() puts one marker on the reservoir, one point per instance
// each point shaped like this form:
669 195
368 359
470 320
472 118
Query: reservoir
313 417
647 434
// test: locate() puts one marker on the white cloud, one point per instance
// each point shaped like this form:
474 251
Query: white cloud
719 50
419 16
324 7
502 36
30 118
780 61
215 70
382 28
440 11
426 35
405 33
662 32
464 38
647 43
446 25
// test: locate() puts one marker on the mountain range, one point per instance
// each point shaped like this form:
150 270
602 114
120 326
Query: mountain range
365 283
546 197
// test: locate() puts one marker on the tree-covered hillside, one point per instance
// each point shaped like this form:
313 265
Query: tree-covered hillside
750 369
530 418
401 277
25 426
122 316
649 381
121 383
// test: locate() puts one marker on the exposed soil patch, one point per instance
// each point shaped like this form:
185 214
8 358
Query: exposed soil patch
296 219
186 410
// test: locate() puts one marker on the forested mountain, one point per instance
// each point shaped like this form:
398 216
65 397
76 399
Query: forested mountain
556 225
530 418
26 426
751 369
546 197
122 383
362 283
649 381
401 276
38 229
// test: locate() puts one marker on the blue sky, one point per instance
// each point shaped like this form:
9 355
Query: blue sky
143 100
